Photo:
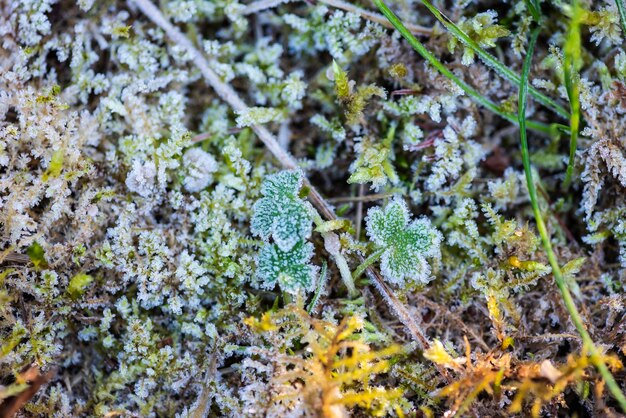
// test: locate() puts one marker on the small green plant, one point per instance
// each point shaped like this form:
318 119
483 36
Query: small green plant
354 101
483 30
290 269
281 214
406 243
373 163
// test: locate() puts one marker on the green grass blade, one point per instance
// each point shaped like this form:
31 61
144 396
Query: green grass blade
492 61
594 354
469 90
368 262
571 64
622 15
319 288
534 10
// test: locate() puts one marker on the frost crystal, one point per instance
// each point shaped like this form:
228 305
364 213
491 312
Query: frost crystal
291 269
281 214
407 244
200 167
141 178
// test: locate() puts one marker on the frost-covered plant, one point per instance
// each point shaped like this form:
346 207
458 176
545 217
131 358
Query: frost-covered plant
333 374
354 100
373 163
344 35
257 116
481 28
281 214
603 23
406 243
291 269
454 152
200 166
131 249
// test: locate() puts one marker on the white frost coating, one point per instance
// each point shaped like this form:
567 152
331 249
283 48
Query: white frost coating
407 243
200 166
257 116
280 213
141 179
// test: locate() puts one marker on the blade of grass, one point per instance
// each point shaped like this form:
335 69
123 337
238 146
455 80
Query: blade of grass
368 262
571 65
570 305
469 90
622 15
534 10
492 61
319 288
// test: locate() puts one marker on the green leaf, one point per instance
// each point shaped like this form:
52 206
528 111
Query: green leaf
406 244
78 285
37 256
570 270
342 84
571 64
56 165
281 213
290 269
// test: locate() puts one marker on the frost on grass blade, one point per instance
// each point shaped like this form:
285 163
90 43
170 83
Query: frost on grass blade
280 213
291 269
407 244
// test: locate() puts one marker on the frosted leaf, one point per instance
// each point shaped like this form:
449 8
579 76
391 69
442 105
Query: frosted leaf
281 214
285 183
407 243
291 269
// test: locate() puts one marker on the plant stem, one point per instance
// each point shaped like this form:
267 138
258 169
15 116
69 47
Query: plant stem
469 90
570 74
570 305
622 15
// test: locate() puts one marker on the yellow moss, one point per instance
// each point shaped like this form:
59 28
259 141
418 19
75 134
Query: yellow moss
336 367
398 71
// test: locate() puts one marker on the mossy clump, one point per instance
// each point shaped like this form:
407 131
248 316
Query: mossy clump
252 208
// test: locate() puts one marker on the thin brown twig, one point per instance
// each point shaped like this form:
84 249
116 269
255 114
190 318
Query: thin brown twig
230 96
360 198
359 211
261 5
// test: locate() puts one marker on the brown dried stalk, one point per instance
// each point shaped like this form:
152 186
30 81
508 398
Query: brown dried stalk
261 5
